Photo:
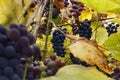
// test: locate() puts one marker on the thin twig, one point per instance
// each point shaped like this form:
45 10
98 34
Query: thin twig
25 71
71 37
24 10
87 21
31 18
48 28
39 16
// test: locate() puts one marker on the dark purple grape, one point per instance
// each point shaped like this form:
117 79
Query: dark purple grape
37 54
20 71
15 77
23 41
8 71
13 62
23 31
74 6
53 57
3 38
4 78
50 73
116 70
31 38
36 70
30 69
14 26
10 51
3 62
3 30
13 34
1 49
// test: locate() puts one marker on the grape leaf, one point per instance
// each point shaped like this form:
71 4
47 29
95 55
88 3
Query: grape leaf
101 5
113 44
78 72
100 34
87 50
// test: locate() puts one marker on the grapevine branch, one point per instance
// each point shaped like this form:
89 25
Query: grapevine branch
71 37
25 71
87 21
48 29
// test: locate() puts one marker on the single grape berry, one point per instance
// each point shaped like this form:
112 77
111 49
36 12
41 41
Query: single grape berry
53 57
13 34
8 71
3 30
3 62
10 51
23 41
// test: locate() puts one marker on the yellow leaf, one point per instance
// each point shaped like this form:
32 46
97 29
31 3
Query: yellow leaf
85 15
87 50
9 10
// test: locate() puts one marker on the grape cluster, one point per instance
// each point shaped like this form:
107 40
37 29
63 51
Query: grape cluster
51 66
116 74
75 12
78 61
9 58
58 42
85 30
15 43
111 28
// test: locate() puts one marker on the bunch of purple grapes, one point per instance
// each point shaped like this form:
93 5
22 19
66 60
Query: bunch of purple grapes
111 28
51 66
15 43
58 42
85 30
75 12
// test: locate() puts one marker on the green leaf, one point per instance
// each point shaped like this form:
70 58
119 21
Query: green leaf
100 34
113 44
78 72
102 5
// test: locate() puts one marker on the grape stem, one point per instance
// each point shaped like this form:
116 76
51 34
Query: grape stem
48 29
25 71
71 37
24 10
87 21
